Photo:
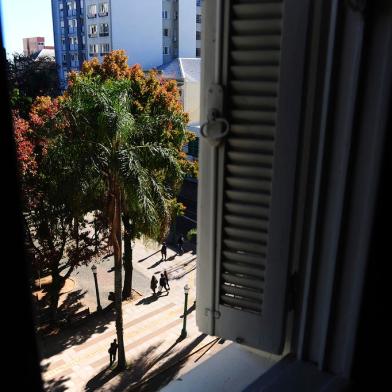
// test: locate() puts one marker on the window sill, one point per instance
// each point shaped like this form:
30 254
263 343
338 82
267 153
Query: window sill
231 369
297 376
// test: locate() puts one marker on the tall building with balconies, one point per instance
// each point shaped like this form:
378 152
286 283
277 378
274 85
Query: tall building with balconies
69 36
152 32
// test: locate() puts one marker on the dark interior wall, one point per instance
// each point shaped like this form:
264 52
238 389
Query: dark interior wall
18 340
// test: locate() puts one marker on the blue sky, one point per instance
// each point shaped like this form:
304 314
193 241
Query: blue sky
25 18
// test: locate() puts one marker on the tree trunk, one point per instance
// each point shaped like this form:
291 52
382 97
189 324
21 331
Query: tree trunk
128 266
116 239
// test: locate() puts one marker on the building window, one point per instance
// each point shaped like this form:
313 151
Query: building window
92 30
93 49
72 23
92 11
198 3
174 35
198 18
61 6
103 9
198 52
198 35
175 15
105 49
164 15
74 57
64 58
165 32
165 50
104 29
61 23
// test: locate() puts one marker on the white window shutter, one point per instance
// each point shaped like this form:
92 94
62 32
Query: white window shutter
252 75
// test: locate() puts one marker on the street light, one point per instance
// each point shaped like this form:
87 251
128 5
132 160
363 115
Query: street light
94 269
183 332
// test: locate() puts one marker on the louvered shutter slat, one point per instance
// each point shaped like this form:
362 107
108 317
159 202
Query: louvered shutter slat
244 293
255 73
241 281
242 303
248 197
247 210
266 131
244 258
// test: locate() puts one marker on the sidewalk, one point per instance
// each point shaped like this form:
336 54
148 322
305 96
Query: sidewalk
78 359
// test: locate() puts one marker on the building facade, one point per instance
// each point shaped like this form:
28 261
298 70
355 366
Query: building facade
69 36
33 45
152 32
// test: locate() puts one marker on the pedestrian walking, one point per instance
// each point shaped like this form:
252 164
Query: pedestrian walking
164 251
166 279
154 283
162 283
113 351
180 244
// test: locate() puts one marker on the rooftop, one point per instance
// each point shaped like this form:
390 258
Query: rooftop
182 69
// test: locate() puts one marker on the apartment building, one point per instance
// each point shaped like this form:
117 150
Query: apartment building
33 45
152 32
69 36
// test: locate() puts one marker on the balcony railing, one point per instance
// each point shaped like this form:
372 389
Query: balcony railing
103 53
94 54
92 35
103 13
105 34
90 16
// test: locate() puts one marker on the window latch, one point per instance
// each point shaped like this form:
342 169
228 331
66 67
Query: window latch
216 127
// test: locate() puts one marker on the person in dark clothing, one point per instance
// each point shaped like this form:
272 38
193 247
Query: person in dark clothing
180 244
166 280
113 351
154 283
164 251
162 283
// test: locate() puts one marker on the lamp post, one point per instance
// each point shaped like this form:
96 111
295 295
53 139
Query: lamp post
183 332
94 269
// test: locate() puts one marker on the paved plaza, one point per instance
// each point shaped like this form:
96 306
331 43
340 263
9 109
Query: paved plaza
77 359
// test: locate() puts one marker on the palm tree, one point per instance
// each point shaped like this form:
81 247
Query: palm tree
131 164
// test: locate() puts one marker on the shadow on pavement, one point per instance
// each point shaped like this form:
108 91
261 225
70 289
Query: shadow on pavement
55 384
141 260
148 300
162 371
155 264
78 332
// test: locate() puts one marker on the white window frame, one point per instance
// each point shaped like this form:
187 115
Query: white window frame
91 14
103 9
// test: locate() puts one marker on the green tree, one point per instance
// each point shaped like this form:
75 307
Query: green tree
30 77
126 157
155 106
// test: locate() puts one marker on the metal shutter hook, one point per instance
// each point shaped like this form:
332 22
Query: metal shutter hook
216 128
